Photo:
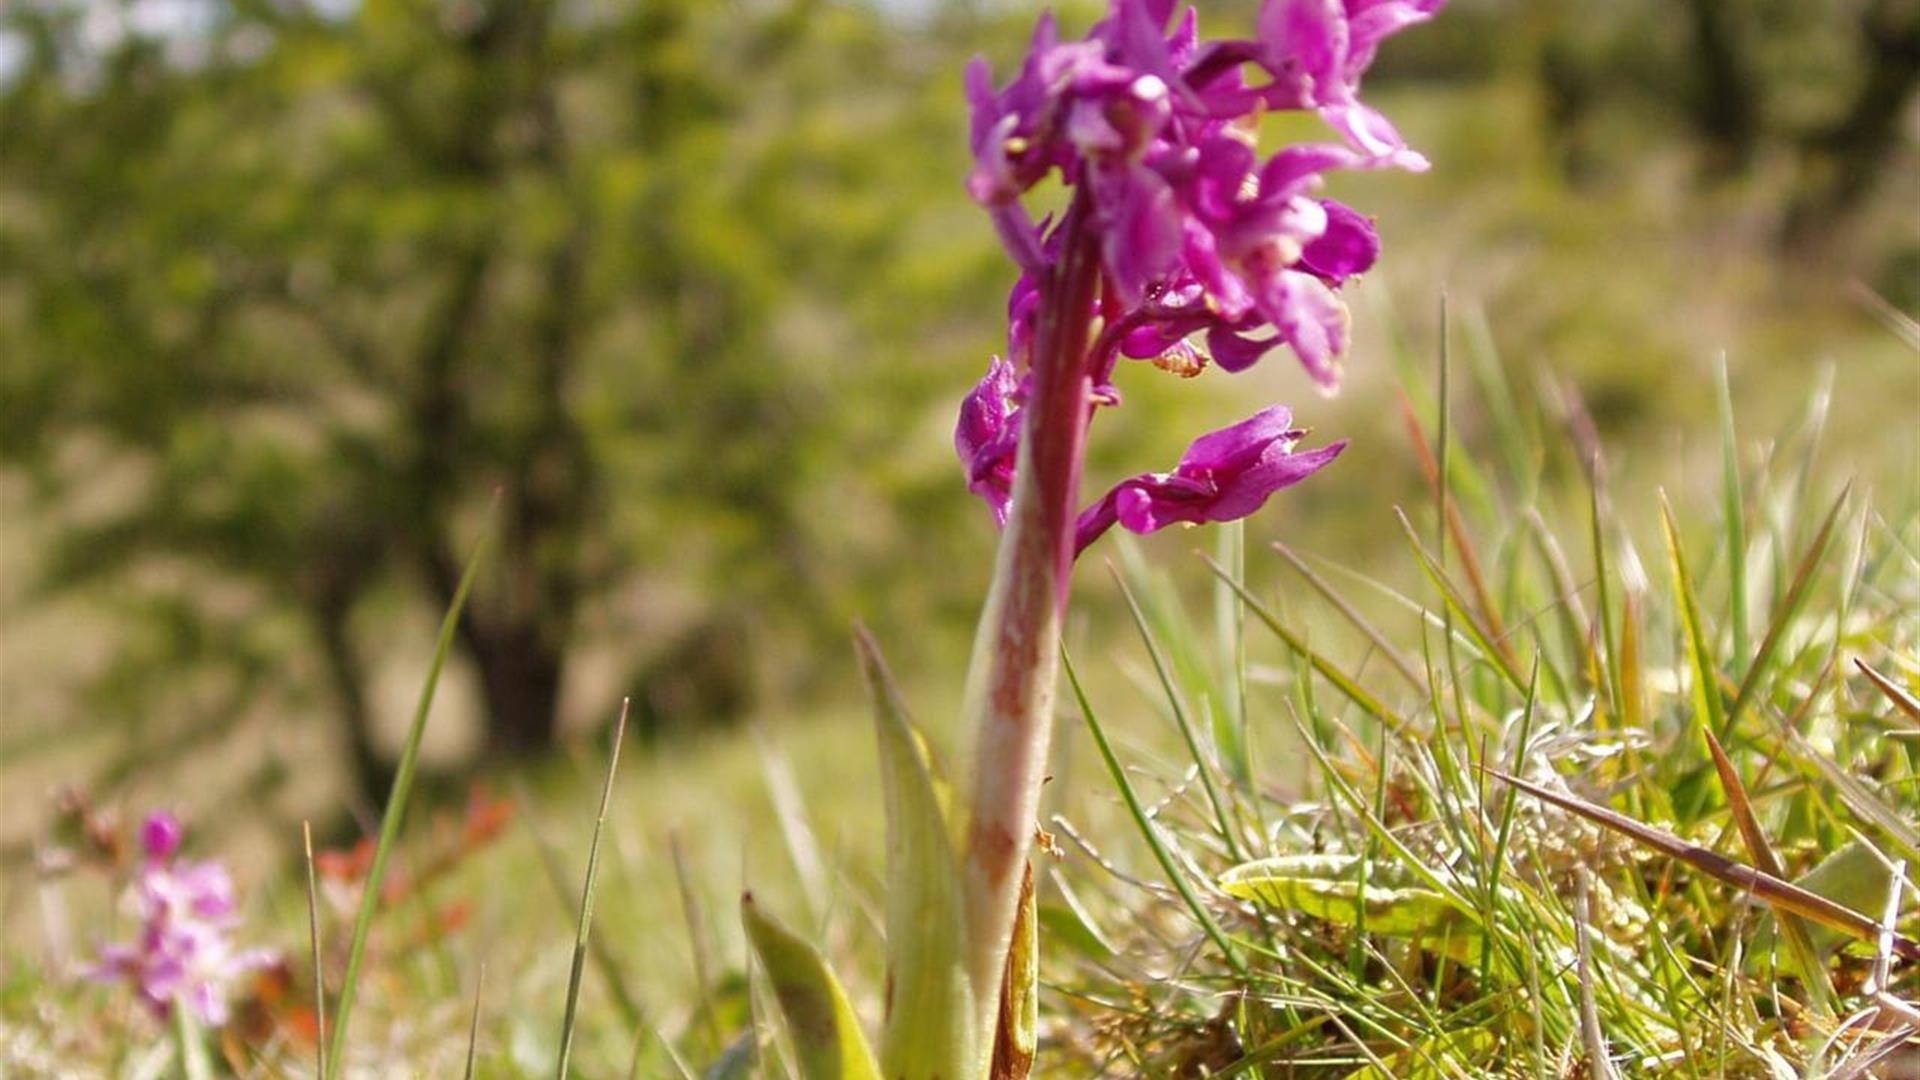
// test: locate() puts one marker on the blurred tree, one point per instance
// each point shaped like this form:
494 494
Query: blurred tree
1823 86
287 294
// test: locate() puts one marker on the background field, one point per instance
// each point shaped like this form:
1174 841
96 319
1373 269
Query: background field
286 294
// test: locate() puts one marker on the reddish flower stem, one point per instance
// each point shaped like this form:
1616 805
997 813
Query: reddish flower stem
1016 655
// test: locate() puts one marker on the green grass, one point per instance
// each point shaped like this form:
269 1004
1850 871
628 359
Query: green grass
1285 845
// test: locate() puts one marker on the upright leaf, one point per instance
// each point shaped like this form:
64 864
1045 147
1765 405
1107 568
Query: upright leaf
826 1034
929 997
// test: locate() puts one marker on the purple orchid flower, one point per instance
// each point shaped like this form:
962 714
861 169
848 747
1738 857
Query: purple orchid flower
1152 126
1224 476
1180 245
184 955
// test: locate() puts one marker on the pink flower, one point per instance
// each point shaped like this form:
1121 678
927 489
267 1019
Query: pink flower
1223 476
186 911
1207 251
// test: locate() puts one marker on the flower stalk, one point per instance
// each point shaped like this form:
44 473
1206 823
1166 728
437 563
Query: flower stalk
1015 666
1180 246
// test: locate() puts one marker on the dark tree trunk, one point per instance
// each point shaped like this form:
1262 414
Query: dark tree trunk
373 771
520 676
1726 111
1841 163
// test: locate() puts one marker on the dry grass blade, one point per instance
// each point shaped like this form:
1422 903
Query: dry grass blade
1781 895
1792 927
1902 700
583 931
1599 1062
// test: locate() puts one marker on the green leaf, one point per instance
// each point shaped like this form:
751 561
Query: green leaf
826 1034
1854 876
1330 887
927 1031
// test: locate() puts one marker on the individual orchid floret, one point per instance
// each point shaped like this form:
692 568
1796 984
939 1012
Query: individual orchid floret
1223 476
988 434
184 954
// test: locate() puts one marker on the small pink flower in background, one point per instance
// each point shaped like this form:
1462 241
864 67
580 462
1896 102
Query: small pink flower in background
186 912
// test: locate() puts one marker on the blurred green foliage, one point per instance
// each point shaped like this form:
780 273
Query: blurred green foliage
289 291
283 312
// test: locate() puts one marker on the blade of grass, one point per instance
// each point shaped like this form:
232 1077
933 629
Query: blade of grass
1603 597
1485 638
473 1023
1733 511
611 972
1201 762
1789 607
1456 528
1857 796
696 938
790 812
1443 419
1899 322
1599 1063
1706 677
1144 823
1504 834
1799 943
1341 681
1517 445
1574 622
1781 895
194 1062
397 806
319 972
1352 614
1230 730
584 929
